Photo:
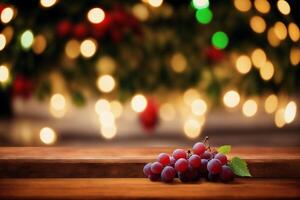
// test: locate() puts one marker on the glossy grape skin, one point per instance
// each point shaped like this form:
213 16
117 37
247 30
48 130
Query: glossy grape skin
147 169
154 177
207 155
179 153
199 148
212 177
172 161
195 161
164 159
222 158
181 165
214 166
190 175
203 168
168 174
226 174
156 167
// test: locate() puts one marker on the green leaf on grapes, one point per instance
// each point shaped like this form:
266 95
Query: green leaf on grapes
225 149
239 167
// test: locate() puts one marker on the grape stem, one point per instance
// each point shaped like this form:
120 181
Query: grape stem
206 142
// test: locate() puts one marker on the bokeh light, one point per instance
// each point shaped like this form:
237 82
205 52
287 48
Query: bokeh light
271 103
88 48
167 112
242 5
109 132
243 64
231 98
27 39
116 108
106 83
138 103
259 58
47 3
280 30
290 112
2 41
96 15
8 32
190 95
106 65
48 135
273 40
155 3
178 62
295 56
72 49
192 128
107 118
7 15
258 24
200 4
220 40
279 118
263 6
4 74
294 32
267 71
58 105
102 105
204 16
199 107
39 44
249 108
140 11
283 7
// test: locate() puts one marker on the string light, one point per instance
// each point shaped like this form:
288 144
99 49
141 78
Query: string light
271 103
102 105
279 118
249 108
140 11
2 41
283 7
178 62
204 16
220 40
7 15
294 32
4 74
167 112
243 64
47 3
259 58
199 107
106 65
88 48
231 99
48 135
190 95
192 128
138 103
39 44
106 83
116 108
109 132
272 38
280 30
258 24
58 105
262 6
155 3
72 49
290 112
295 56
242 5
267 71
96 15
200 4
27 39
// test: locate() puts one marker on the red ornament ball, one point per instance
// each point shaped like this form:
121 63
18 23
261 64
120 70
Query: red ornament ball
149 117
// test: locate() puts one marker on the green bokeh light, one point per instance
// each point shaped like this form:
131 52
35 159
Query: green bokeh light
204 16
200 4
220 40
27 39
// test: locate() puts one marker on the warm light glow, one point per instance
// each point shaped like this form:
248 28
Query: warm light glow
27 39
267 71
138 103
259 58
2 41
116 108
258 24
47 3
4 74
106 65
140 11
231 98
279 118
109 132
88 48
47 135
155 3
7 15
96 15
280 30
290 112
199 107
192 128
272 38
242 5
243 64
295 56
271 103
294 32
58 102
39 44
178 62
262 6
167 112
107 118
106 83
200 4
72 49
190 95
8 32
249 108
102 105
283 7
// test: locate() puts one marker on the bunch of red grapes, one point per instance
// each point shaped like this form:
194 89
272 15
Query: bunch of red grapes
190 166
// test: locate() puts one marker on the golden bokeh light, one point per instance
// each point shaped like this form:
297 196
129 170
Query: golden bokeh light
58 105
259 58
199 107
280 30
243 64
102 105
47 3
190 95
96 15
242 5
107 119
167 112
109 132
7 15
258 24
106 83
263 6
116 108
267 71
48 135
290 112
283 7
273 40
192 128
294 32
295 56
138 103
140 11
4 74
155 3
39 44
72 49
8 32
271 103
88 48
249 108
2 41
279 118
231 98
106 65
178 62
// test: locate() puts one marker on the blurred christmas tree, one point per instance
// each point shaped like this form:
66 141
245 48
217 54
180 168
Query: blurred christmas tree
223 50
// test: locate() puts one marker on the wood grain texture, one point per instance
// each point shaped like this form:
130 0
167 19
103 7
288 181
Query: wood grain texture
140 188
78 162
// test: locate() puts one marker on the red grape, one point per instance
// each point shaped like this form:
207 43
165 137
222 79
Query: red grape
214 166
203 167
181 165
164 159
222 158
168 174
172 161
189 175
147 169
213 177
199 148
195 161
156 167
207 155
226 174
179 153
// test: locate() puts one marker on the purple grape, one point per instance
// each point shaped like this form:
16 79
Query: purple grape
147 169
214 166
195 161
226 174
222 158
154 177
199 148
172 161
207 155
203 167
189 175
213 177
168 174
156 167
179 153
181 165
164 159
